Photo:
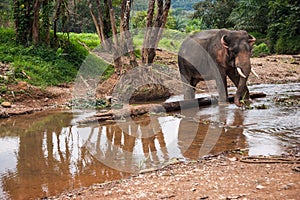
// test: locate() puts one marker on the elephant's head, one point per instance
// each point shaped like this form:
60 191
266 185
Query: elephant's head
239 45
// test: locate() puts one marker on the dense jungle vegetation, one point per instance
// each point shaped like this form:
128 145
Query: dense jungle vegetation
64 26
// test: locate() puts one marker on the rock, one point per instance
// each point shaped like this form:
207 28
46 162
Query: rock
288 186
295 63
22 85
6 104
259 187
107 193
4 77
204 197
232 159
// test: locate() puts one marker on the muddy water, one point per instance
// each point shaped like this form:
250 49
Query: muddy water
47 153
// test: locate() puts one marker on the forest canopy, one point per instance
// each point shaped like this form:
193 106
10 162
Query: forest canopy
273 22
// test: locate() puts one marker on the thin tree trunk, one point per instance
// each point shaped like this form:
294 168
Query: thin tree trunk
16 18
147 42
164 21
153 33
113 24
126 38
35 24
94 18
47 27
56 17
23 19
116 51
103 38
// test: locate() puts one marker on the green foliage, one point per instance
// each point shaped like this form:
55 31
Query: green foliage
260 50
288 45
171 22
194 25
73 51
3 89
284 27
250 15
142 5
278 19
5 14
80 18
139 20
185 5
138 53
215 14
171 40
180 23
93 67
90 103
42 65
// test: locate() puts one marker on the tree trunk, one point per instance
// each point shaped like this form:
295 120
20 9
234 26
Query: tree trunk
147 42
156 108
23 19
56 17
153 33
101 25
164 20
46 21
116 50
96 23
126 38
35 24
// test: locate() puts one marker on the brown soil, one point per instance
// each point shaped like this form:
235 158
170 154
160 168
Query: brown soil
26 99
221 177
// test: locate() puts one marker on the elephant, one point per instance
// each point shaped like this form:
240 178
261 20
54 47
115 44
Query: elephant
214 55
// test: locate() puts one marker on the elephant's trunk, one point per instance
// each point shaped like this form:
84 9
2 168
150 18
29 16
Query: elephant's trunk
242 93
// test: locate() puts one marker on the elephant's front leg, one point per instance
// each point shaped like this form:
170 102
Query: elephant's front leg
242 91
222 88
188 89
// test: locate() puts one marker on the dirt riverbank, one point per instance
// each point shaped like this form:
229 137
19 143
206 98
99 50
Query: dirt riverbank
25 98
224 176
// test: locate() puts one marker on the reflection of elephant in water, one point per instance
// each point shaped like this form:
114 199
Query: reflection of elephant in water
214 55
211 138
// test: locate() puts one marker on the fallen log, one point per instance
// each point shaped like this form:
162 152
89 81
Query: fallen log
131 110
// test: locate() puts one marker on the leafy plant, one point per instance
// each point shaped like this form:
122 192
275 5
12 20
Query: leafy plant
43 65
260 50
194 25
245 102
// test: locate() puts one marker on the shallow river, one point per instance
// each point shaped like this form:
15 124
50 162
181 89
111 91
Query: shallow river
48 153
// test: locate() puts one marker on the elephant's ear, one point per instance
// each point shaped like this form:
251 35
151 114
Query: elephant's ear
251 40
224 42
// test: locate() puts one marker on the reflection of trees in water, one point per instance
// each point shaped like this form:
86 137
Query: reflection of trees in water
141 143
127 146
50 159
124 146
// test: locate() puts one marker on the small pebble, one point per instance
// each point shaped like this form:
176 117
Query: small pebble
259 187
6 104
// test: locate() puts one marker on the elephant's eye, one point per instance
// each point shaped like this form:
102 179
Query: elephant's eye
235 51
